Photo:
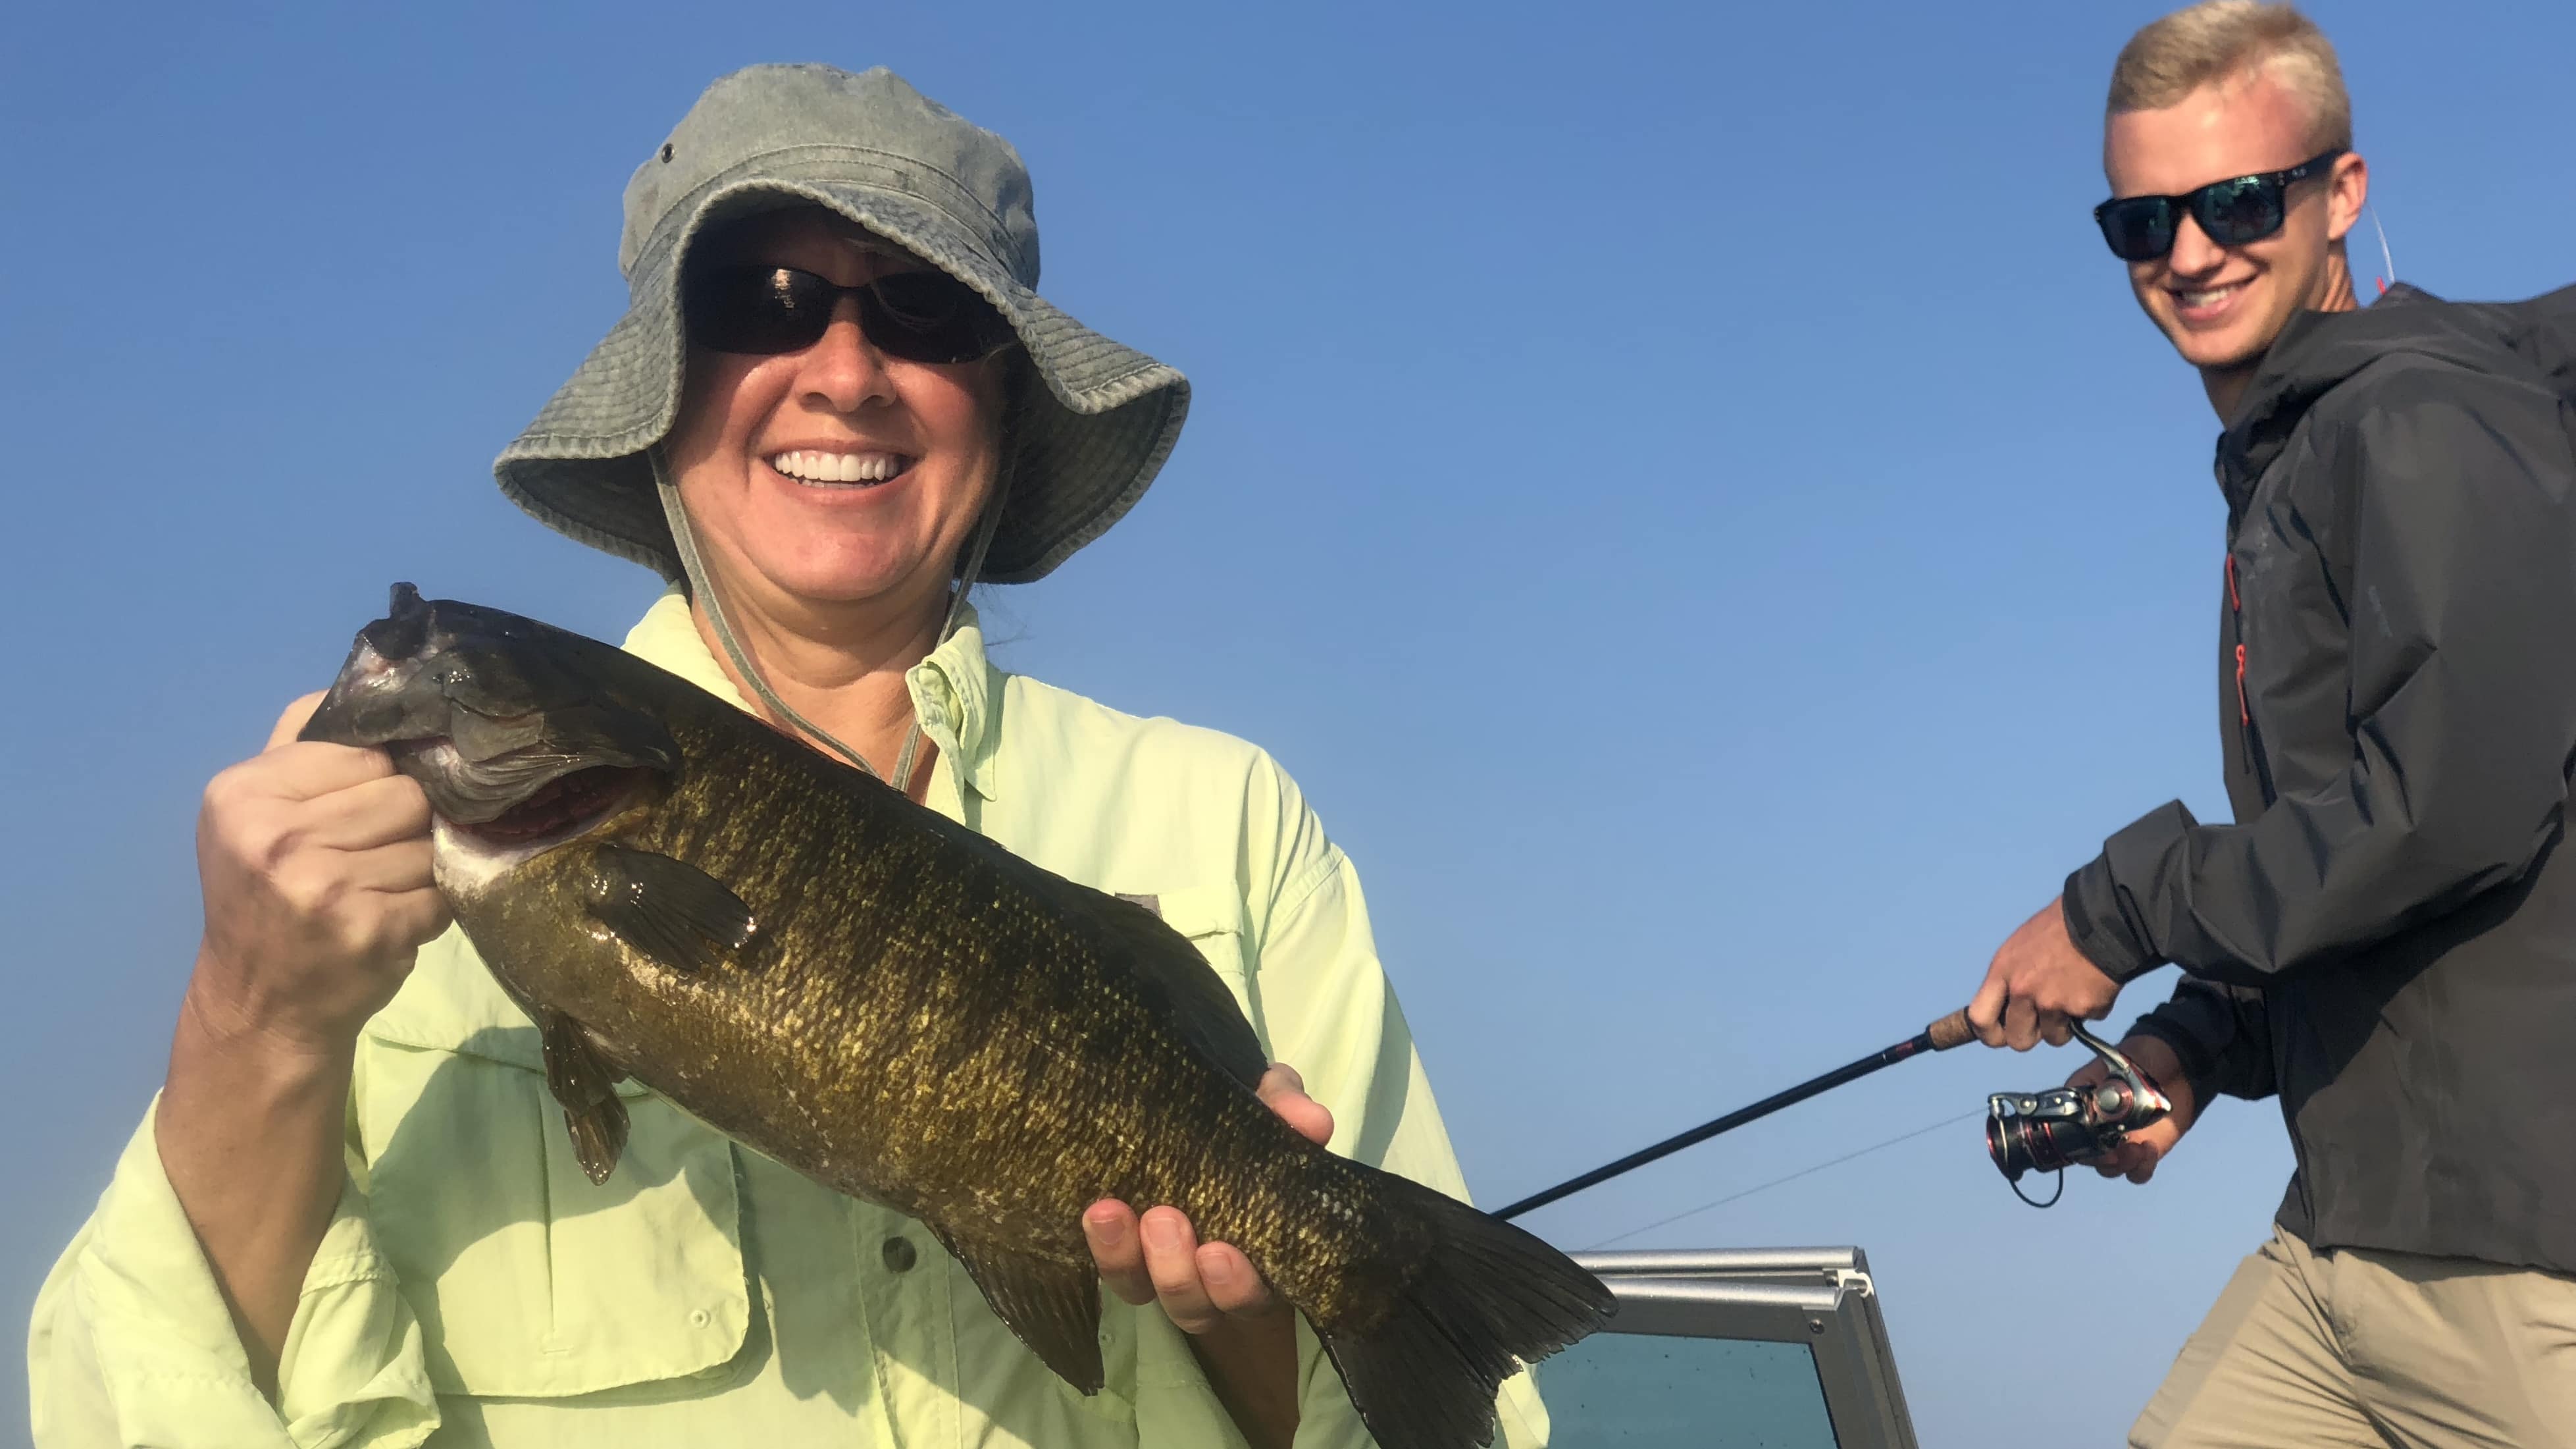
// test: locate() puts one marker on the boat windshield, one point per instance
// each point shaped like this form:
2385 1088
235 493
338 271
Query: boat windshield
1781 1348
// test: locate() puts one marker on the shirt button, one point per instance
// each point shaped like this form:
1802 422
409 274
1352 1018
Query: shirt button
700 1318
899 1255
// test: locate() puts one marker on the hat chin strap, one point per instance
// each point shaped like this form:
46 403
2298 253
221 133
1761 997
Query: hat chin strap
684 539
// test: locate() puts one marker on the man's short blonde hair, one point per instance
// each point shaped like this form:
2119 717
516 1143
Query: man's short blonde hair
2219 40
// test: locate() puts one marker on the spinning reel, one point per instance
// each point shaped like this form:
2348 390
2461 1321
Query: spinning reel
2064 1126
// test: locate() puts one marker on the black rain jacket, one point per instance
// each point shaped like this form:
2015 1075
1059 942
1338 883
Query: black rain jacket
2386 936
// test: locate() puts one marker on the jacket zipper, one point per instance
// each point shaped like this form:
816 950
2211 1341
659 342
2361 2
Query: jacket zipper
2248 738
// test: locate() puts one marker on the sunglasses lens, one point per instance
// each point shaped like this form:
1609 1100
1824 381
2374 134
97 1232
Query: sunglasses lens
930 317
758 310
2236 212
917 316
2138 229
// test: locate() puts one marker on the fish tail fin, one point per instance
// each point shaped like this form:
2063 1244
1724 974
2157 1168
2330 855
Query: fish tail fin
1488 1298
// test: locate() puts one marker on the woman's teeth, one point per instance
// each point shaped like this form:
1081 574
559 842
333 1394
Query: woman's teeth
809 466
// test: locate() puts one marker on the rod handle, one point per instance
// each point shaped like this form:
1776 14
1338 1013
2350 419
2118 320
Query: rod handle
1952 1030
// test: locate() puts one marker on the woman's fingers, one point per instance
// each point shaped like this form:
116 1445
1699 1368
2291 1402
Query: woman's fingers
1231 1283
316 867
1157 1258
291 722
363 816
1172 1262
353 819
1110 1228
394 869
410 920
1285 1093
301 770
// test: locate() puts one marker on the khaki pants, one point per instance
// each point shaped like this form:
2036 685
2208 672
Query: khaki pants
2370 1349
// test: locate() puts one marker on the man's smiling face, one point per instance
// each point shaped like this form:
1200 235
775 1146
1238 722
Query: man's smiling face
2221 307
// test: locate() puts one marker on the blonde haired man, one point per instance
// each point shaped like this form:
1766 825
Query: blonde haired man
2385 937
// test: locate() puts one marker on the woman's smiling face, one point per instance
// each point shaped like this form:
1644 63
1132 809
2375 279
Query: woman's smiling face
835 475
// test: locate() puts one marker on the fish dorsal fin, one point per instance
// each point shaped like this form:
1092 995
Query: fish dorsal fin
1053 1308
668 909
1205 1009
583 1081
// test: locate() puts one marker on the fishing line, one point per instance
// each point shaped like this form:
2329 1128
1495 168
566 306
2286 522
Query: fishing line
1777 1181
1950 1031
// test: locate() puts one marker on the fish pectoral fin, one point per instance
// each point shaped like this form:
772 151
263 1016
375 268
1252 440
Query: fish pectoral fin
1053 1308
586 1085
668 909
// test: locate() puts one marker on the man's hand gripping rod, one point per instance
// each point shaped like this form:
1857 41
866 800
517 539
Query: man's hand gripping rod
1940 1036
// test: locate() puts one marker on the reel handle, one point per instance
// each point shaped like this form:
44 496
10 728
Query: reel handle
1952 1030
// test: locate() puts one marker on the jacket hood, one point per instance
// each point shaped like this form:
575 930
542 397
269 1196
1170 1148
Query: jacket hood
2318 350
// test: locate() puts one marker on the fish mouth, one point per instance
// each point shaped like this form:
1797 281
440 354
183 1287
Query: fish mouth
472 856
565 807
522 800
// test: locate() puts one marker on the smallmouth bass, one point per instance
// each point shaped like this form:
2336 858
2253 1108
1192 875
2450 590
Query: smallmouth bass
904 1011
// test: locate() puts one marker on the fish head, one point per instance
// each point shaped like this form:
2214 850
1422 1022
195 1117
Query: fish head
516 730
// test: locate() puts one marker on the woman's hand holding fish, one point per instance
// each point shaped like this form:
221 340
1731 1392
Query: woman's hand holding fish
1244 1335
315 865
1158 1257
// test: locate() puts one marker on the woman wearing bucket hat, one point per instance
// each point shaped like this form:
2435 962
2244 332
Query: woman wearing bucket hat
835 403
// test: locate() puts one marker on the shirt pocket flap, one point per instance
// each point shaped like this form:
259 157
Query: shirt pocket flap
530 1280
1211 917
450 1003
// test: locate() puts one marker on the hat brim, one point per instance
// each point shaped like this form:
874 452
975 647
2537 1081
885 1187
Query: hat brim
1079 450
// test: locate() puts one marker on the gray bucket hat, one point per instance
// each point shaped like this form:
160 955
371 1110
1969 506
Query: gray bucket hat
1078 451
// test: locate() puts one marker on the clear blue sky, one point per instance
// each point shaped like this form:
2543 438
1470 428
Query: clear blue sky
1689 496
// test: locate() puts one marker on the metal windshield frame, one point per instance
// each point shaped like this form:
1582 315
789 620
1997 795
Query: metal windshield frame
1823 1298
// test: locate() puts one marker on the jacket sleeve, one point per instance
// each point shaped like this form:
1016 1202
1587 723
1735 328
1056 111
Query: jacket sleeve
2459 612
1325 1008
2221 1033
132 1344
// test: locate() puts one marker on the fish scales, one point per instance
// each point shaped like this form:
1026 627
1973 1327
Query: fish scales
902 1010
921 1104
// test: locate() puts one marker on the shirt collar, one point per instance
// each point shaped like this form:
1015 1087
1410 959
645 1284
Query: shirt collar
956 692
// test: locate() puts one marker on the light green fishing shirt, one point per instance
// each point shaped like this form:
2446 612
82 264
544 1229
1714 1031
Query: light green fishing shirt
476 1288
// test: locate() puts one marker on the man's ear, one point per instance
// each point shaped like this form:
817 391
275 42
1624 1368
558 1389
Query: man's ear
2347 190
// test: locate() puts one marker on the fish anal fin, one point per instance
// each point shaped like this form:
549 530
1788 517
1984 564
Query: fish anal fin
1207 1012
1055 1309
585 1085
668 909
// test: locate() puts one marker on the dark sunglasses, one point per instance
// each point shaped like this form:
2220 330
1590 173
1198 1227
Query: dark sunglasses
2231 213
918 316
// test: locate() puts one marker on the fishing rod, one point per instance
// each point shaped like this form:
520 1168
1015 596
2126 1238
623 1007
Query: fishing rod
1940 1036
2047 1131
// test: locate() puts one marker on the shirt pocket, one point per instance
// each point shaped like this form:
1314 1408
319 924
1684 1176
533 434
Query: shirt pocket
530 1280
1212 918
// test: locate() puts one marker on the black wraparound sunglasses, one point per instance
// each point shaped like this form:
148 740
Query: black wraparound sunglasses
2231 213
924 316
